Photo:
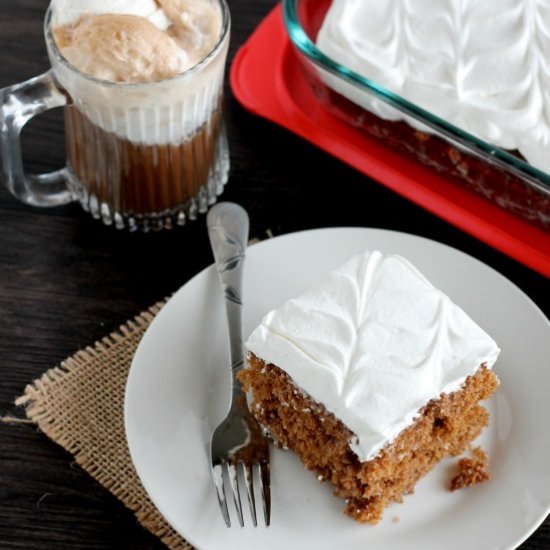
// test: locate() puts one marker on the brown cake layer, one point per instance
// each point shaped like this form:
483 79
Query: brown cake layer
499 186
444 427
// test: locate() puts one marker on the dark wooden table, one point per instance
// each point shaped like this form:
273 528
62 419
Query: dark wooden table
66 281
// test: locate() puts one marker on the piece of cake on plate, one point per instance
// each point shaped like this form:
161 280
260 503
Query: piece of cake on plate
371 377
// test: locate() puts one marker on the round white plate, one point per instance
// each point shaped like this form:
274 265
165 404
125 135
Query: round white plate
179 385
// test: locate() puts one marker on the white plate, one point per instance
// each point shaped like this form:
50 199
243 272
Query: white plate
180 376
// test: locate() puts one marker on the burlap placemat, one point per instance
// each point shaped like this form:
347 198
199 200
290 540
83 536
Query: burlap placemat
80 406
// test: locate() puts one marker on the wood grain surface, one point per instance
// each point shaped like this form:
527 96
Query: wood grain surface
66 281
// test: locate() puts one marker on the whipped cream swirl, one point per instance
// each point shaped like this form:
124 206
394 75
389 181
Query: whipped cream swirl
483 66
373 342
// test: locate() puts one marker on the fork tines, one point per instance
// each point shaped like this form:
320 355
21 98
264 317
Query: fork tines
231 474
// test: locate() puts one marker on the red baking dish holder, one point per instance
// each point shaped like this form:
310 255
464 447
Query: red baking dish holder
267 79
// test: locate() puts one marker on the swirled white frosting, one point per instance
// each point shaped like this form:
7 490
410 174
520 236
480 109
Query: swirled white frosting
373 342
483 66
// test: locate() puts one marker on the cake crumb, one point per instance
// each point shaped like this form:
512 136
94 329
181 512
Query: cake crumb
472 470
396 519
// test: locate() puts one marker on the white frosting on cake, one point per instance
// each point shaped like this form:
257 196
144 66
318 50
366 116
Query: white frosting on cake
482 65
373 342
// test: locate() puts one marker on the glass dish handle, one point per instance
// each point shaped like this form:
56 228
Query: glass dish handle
18 104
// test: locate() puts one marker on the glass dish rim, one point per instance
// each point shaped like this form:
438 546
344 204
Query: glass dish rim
471 143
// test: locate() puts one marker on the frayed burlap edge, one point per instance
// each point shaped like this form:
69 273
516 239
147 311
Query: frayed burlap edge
80 406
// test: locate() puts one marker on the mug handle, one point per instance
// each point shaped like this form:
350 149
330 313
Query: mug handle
18 104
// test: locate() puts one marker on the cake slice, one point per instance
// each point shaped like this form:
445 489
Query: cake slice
371 377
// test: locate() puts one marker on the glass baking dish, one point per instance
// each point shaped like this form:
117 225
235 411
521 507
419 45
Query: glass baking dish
500 176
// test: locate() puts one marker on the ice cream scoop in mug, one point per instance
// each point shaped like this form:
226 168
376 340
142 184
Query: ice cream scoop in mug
145 140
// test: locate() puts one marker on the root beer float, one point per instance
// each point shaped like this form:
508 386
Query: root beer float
145 139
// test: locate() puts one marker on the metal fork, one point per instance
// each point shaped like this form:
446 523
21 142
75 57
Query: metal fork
239 449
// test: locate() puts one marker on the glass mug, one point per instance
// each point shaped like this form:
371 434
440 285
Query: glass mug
139 156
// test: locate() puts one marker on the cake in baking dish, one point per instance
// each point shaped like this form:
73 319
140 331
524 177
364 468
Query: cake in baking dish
371 377
481 66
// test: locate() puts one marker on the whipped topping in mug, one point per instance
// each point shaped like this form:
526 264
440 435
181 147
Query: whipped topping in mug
374 341
482 66
135 41
141 50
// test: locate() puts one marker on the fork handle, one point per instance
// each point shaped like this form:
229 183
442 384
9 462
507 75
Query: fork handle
228 227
